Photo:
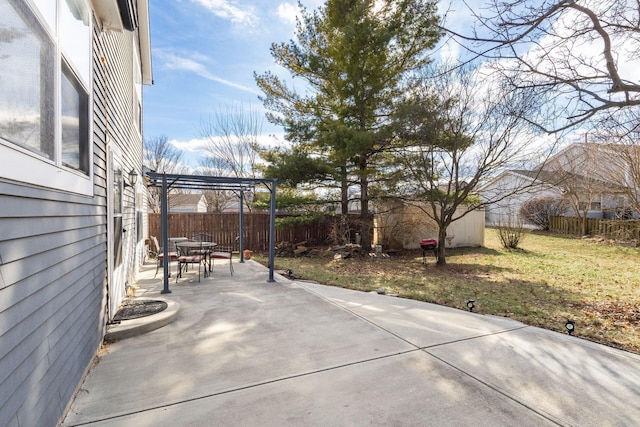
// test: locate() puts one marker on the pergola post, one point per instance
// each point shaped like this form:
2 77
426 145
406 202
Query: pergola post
241 247
272 232
164 226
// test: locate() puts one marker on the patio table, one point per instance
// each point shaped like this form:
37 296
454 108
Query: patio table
203 248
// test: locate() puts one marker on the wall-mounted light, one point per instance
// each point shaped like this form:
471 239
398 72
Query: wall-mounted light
471 304
133 178
570 326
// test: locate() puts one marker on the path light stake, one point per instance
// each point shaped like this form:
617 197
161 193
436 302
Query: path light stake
471 304
571 326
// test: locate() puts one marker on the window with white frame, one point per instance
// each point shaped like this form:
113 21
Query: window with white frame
45 81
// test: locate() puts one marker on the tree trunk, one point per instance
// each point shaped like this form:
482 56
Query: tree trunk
442 240
344 190
365 229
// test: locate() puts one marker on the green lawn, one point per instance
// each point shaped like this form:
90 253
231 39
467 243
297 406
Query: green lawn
549 280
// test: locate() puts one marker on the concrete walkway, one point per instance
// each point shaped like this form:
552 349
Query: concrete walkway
244 352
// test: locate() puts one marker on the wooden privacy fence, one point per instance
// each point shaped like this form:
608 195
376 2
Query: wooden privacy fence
610 228
224 227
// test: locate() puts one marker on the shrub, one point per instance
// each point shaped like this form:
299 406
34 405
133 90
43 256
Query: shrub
510 234
539 211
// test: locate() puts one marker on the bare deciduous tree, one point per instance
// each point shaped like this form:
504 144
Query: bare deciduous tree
577 56
163 157
580 180
232 142
462 132
231 149
621 139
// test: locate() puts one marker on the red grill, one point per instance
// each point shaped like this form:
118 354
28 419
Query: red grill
429 245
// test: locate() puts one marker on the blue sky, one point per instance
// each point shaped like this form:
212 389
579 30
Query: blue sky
204 53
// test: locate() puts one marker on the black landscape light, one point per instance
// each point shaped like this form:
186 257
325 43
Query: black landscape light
571 326
471 304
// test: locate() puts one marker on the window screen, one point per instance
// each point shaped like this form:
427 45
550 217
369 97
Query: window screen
27 67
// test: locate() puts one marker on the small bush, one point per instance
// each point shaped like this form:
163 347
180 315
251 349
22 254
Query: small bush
539 211
510 234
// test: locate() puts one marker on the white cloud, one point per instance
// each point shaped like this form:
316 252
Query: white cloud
288 12
230 10
191 146
176 62
195 149
200 144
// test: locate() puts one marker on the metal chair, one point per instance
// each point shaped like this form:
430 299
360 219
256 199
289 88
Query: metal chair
201 237
190 254
158 253
224 252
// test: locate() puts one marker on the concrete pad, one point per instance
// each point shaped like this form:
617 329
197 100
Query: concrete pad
571 380
575 381
420 323
409 389
228 334
246 352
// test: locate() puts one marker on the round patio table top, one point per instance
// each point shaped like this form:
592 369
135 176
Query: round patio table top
192 244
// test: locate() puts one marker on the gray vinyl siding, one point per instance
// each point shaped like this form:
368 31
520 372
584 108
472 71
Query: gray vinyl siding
114 111
53 272
54 260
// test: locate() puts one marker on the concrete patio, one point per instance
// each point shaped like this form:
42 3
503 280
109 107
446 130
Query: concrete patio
242 351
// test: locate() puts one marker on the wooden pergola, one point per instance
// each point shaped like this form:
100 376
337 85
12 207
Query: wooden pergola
221 183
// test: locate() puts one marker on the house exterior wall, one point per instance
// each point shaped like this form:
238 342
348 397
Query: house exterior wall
53 253
507 209
202 205
187 203
593 183
404 226
606 167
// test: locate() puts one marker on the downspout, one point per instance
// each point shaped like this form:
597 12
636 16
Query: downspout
241 247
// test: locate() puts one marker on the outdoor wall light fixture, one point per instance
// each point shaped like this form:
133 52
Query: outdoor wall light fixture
133 178
471 304
571 326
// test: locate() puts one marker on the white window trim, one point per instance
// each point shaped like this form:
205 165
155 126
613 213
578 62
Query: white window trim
21 165
137 87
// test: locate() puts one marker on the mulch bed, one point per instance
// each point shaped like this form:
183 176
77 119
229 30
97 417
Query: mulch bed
139 308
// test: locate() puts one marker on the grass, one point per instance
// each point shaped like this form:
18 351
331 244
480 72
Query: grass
548 280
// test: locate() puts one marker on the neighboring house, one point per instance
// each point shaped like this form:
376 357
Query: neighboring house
403 226
72 219
179 202
583 174
518 186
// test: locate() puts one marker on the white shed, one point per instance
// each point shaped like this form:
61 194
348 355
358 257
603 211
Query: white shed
403 226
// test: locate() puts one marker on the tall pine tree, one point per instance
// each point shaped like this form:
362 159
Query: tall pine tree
356 58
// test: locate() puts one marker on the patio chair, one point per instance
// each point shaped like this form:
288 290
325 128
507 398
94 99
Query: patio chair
158 253
224 252
188 253
202 237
